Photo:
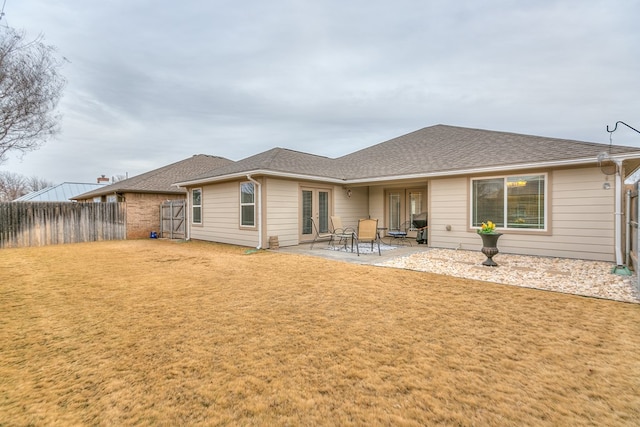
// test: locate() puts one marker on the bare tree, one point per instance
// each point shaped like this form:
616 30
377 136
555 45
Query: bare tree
30 88
35 183
12 186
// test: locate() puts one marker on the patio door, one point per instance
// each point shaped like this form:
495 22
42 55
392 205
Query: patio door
315 204
403 205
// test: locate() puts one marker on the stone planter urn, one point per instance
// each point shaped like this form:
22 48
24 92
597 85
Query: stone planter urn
490 247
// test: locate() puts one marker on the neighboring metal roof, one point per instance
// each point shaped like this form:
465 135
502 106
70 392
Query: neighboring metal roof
58 193
431 151
161 180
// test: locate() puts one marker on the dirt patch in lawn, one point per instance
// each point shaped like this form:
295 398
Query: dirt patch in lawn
157 332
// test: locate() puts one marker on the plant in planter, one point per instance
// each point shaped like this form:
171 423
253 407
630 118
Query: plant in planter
489 242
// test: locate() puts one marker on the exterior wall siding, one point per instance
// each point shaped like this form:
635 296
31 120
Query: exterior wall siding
281 213
351 209
581 217
221 217
376 204
581 223
448 207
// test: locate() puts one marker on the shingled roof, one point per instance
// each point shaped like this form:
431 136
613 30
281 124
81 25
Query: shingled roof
431 151
161 180
280 160
448 149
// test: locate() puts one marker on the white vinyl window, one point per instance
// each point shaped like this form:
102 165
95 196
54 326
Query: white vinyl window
196 206
511 202
247 205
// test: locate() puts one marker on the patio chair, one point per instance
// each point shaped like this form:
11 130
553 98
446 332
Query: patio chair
341 235
367 232
317 236
399 235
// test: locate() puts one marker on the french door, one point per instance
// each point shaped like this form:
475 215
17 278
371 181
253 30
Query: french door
403 205
315 209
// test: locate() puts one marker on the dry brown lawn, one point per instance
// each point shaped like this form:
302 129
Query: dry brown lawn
162 333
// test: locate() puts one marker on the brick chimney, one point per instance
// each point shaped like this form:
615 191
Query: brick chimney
103 179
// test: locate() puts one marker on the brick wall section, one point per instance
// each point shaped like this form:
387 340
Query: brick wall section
143 213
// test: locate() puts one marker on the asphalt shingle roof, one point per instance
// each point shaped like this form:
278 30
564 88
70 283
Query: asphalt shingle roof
280 160
444 148
436 149
161 180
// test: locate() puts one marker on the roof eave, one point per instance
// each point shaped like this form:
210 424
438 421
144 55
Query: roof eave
489 169
264 172
469 171
122 191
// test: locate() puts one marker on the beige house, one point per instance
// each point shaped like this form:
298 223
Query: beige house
548 196
144 193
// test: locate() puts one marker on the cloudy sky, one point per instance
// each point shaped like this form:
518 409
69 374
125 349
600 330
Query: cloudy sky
154 82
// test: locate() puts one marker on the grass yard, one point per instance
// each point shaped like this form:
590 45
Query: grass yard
161 333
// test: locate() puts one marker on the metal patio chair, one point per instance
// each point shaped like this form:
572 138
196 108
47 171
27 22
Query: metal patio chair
367 232
341 235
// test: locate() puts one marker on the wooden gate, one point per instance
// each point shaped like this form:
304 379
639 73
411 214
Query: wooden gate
172 219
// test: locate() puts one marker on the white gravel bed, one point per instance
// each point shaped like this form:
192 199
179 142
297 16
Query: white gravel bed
579 277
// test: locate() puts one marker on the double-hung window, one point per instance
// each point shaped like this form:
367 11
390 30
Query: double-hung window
511 202
247 204
196 206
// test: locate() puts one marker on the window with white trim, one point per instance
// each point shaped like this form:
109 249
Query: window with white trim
511 202
196 206
247 204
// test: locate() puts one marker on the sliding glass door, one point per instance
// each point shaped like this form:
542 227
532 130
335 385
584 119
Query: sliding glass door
405 205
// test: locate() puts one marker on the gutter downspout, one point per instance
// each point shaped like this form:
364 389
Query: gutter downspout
627 228
187 215
620 268
259 208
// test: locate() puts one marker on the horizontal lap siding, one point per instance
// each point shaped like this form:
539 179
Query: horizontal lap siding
583 220
581 214
283 207
351 209
282 211
221 217
448 199
377 205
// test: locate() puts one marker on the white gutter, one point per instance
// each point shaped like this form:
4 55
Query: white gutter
627 228
187 216
259 208
618 213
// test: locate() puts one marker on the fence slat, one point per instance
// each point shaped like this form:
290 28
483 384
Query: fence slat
48 223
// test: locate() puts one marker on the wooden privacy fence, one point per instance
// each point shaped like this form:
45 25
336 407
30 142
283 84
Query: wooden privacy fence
49 223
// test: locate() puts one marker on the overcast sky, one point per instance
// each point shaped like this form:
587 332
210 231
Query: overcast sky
153 82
